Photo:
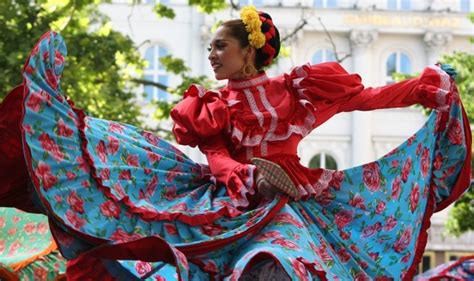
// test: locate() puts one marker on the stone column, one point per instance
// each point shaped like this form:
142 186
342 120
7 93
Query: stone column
362 150
435 42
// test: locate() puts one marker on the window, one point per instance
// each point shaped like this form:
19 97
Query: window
323 160
467 6
156 72
164 2
256 3
323 56
396 5
325 3
397 62
427 262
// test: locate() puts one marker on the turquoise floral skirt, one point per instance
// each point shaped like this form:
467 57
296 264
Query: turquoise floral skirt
125 204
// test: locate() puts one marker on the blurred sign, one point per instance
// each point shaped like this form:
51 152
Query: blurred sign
403 21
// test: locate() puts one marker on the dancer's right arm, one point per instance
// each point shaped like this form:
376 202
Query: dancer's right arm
200 120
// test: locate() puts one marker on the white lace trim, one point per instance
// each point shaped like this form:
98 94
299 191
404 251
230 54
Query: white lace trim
444 87
253 106
322 183
247 188
236 133
300 72
250 180
233 84
441 100
202 91
444 77
252 141
249 152
231 103
274 121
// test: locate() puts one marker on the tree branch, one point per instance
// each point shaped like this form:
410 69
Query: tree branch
331 41
150 83
129 17
297 28
234 5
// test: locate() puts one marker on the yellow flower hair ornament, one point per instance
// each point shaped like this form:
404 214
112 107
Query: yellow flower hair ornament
251 19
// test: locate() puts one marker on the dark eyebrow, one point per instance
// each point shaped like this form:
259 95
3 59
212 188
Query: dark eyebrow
219 41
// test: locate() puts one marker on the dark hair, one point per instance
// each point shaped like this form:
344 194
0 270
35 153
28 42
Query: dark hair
270 50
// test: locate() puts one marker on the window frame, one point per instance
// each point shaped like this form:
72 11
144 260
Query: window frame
157 72
398 65
432 256
399 5
324 4
322 159
325 57
260 3
470 6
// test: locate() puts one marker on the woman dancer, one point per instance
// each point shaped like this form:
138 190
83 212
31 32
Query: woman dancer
124 204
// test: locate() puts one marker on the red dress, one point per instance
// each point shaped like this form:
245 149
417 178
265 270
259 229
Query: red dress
268 117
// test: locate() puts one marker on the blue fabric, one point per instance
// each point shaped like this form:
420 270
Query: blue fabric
449 70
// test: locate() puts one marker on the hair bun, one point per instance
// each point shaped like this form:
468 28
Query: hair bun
270 50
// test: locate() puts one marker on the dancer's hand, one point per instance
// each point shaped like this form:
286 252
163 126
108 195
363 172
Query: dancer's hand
264 188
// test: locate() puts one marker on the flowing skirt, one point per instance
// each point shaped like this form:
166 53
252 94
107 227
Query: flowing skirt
129 205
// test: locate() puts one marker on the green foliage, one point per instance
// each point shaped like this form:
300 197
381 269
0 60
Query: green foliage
208 6
174 65
461 217
163 11
464 65
177 66
100 61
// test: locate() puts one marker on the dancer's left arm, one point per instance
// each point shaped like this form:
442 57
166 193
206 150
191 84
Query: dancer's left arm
430 89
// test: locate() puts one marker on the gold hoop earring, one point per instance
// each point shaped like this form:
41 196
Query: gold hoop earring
249 70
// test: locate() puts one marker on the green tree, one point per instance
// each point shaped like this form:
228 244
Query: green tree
104 67
100 61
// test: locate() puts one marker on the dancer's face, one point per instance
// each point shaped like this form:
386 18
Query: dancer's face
226 56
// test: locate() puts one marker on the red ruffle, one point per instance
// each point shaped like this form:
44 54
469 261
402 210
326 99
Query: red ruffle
199 115
241 185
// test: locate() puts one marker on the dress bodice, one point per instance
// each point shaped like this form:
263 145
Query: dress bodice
264 117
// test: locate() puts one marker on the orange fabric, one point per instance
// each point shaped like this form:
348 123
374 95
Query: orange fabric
21 264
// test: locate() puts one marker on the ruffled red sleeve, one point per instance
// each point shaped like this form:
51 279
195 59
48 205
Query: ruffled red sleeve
325 83
323 86
330 89
199 115
430 89
201 119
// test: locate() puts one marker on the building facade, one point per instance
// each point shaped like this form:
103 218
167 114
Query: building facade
373 38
